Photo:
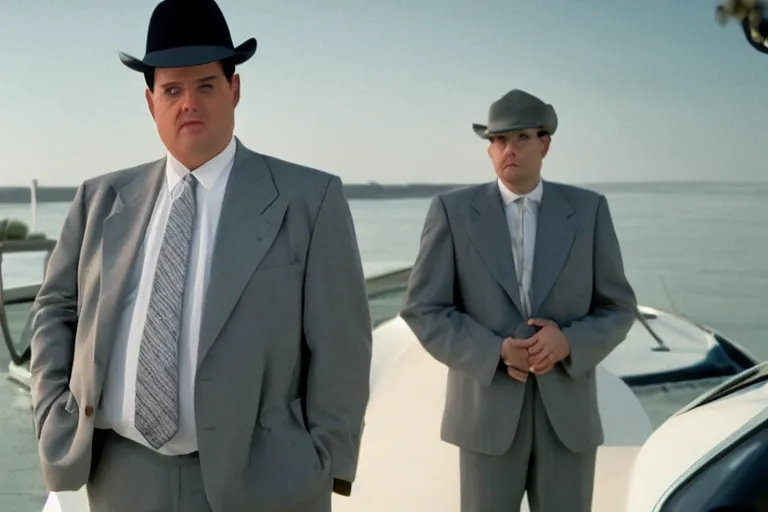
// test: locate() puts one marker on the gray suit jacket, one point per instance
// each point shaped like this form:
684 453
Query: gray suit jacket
463 300
285 345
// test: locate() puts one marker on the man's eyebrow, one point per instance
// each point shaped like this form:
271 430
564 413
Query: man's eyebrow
171 83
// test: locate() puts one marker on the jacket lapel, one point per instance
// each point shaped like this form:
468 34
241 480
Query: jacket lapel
490 234
554 237
122 239
250 220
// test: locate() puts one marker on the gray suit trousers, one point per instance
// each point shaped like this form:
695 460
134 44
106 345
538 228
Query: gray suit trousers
129 477
556 479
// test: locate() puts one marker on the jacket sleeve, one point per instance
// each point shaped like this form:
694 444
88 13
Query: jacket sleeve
54 317
338 332
452 337
614 304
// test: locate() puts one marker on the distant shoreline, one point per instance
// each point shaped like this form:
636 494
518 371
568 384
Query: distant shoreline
21 195
16 195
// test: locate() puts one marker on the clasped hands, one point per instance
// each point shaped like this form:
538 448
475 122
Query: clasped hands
537 354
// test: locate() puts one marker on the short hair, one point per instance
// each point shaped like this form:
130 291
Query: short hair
226 65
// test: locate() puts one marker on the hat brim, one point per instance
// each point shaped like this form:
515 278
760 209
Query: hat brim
185 56
482 130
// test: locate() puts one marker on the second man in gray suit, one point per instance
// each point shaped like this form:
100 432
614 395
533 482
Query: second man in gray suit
519 288
202 340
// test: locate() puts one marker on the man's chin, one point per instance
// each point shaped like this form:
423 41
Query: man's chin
190 140
514 171
193 142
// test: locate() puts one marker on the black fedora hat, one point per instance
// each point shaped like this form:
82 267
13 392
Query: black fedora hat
188 33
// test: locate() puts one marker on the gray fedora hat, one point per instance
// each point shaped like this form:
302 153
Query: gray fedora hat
517 110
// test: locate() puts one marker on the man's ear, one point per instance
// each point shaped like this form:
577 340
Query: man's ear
236 88
546 140
150 102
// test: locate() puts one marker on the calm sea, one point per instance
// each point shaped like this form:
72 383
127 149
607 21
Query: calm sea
698 249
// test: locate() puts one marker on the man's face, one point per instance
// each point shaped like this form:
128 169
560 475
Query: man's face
194 110
517 156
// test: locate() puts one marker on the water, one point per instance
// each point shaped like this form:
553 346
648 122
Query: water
698 249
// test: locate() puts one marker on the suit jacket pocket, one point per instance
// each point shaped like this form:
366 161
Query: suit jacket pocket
59 428
284 464
279 254
298 412
281 264
71 405
283 415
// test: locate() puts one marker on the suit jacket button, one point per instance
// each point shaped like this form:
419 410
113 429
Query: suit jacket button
88 410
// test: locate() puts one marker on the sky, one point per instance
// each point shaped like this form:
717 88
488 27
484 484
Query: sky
387 91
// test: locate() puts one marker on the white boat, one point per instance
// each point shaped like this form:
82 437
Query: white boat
662 348
694 461
638 470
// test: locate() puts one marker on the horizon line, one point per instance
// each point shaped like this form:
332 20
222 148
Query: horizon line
374 183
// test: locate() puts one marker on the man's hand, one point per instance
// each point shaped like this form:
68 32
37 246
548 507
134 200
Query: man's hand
515 355
549 348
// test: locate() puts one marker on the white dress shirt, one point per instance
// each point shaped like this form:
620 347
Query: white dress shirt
522 215
116 409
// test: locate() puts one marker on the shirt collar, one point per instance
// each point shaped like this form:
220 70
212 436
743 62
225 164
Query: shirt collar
508 196
206 174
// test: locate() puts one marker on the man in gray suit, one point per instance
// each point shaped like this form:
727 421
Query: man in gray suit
519 288
202 340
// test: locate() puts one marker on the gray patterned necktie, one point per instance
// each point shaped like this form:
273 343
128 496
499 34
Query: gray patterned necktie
157 404
522 281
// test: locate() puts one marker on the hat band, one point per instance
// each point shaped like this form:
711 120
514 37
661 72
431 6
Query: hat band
511 126
187 56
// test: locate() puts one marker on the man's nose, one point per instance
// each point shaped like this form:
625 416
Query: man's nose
509 149
189 101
